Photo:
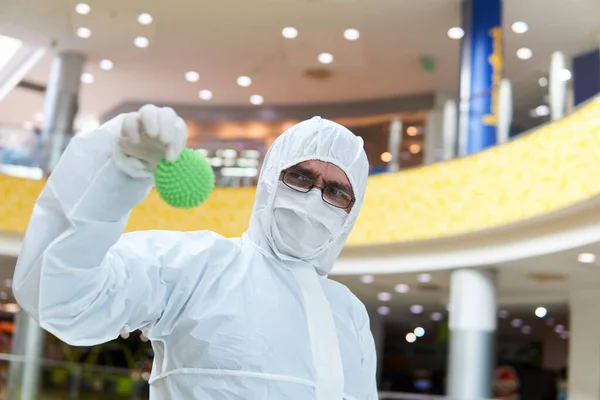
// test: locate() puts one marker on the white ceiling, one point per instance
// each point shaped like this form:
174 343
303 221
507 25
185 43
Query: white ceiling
226 38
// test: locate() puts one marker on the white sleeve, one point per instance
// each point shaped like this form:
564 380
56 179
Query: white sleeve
76 274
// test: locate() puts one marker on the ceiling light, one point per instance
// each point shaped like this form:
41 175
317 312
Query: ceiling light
526 330
520 27
541 312
351 34
559 328
402 288
414 148
586 258
411 337
416 309
325 58
367 279
205 94
244 81
384 296
192 76
8 48
383 310
83 8
456 33
543 81
386 156
86 77
412 131
289 32
88 124
564 75
436 316
516 322
419 332
141 42
84 33
542 111
502 314
106 65
424 278
564 335
11 308
257 99
524 53
144 19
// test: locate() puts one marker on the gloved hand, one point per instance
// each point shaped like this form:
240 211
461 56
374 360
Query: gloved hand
146 137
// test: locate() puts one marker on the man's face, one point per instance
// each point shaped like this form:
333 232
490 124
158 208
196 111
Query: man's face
325 175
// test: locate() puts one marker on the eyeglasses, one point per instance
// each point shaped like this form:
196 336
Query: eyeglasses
330 194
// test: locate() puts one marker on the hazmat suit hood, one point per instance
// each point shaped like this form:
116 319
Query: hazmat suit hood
314 139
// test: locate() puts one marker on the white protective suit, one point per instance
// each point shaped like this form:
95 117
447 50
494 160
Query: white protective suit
228 318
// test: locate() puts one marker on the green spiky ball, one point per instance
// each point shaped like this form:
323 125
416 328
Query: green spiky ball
185 183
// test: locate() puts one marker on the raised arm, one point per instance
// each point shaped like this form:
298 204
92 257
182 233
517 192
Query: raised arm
76 274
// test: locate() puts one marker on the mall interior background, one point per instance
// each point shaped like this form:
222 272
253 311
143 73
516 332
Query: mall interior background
241 72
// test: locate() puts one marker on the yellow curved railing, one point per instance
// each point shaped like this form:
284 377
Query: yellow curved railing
551 168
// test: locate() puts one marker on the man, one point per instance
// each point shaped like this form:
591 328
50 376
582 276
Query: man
253 318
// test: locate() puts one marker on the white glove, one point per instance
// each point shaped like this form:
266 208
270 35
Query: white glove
146 137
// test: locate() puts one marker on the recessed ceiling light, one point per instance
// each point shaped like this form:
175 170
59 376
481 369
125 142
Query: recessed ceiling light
502 314
516 322
414 148
541 312
106 65
402 288
244 81
559 328
456 32
520 27
84 32
289 32
86 77
526 330
424 278
367 279
411 337
436 316
144 19
192 76
543 81
257 99
586 258
524 53
564 75
541 111
386 156
412 131
419 332
564 335
384 296
325 58
416 309
351 34
383 310
141 42
205 94
83 8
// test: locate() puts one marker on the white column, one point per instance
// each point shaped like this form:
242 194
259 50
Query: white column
472 333
61 103
394 144
584 346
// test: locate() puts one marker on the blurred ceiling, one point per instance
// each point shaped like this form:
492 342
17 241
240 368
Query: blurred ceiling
224 39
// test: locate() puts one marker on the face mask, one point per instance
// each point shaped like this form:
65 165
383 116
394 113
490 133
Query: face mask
302 222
